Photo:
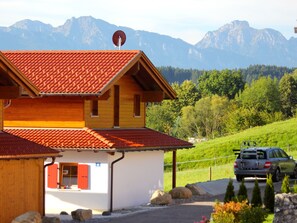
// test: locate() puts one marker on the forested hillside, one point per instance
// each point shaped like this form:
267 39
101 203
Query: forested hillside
251 73
223 102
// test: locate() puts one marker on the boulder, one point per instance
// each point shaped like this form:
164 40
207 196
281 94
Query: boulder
28 217
195 189
181 193
161 198
82 214
51 220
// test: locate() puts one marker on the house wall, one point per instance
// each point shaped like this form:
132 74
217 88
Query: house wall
21 186
45 112
136 177
95 197
128 88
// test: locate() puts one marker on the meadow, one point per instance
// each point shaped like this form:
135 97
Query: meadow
213 159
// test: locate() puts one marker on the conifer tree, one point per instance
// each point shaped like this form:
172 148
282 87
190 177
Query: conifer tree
256 197
229 195
285 185
269 194
242 193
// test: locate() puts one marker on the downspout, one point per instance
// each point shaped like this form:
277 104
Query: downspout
111 180
46 165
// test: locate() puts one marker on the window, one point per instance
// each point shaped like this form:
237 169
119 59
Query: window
68 176
94 108
137 105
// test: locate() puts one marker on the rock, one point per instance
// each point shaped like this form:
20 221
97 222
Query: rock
28 217
181 193
82 214
285 208
64 213
161 198
195 189
51 220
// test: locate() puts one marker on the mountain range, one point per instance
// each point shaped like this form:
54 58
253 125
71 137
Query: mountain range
234 45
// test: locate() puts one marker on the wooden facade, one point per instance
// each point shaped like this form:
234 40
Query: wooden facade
21 186
76 112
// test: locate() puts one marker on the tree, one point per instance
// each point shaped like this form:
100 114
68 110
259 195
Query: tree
269 194
242 192
159 117
285 185
229 195
223 83
256 196
288 94
206 118
262 95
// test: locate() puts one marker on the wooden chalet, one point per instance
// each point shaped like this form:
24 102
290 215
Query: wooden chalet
90 106
21 161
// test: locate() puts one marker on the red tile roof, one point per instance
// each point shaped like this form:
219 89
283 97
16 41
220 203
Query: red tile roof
138 139
15 147
107 140
73 139
71 72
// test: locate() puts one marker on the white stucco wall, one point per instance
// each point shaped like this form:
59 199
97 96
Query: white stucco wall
96 197
136 177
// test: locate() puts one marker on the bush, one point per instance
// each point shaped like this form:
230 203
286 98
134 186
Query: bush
269 194
242 193
229 195
256 197
285 185
253 214
228 212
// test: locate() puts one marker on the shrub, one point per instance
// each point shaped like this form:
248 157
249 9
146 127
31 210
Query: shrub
253 214
229 195
228 212
269 194
256 197
285 185
242 193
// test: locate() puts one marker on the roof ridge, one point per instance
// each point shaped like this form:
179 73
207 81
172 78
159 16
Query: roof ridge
69 51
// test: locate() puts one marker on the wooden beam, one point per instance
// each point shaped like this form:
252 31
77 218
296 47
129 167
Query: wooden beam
10 92
173 169
1 114
152 96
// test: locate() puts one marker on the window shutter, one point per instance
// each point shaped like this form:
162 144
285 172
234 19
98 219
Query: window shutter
52 176
83 176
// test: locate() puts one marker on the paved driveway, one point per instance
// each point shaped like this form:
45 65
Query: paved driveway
187 212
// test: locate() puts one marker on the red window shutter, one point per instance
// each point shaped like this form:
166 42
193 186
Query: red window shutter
83 176
52 176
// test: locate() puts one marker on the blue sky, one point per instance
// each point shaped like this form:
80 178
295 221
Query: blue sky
189 20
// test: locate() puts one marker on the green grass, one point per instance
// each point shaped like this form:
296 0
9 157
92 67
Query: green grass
280 134
190 170
269 219
198 175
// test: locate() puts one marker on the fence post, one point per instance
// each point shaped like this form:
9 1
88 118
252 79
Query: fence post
210 173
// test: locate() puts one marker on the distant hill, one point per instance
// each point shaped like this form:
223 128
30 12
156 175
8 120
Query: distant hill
234 45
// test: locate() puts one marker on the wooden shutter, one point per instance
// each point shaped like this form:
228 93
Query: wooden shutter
52 176
83 176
